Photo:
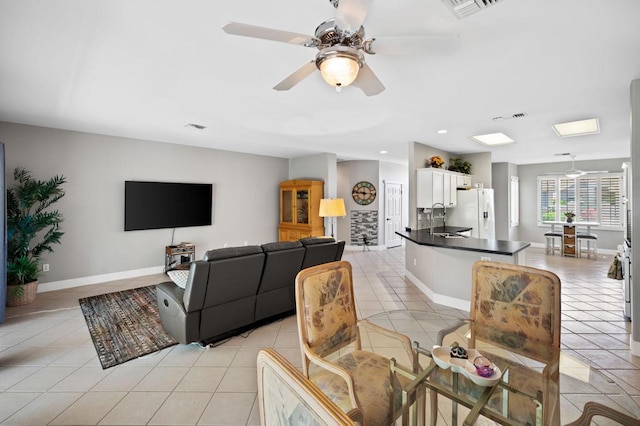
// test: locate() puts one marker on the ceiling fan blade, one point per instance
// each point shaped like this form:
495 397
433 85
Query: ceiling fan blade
351 13
436 44
368 82
254 31
297 76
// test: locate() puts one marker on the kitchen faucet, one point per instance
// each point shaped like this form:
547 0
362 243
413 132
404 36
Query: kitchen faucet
444 212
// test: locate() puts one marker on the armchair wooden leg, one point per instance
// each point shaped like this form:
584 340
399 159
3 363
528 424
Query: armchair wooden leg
434 407
593 408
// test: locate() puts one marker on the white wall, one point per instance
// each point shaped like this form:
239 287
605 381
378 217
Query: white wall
352 172
501 183
246 200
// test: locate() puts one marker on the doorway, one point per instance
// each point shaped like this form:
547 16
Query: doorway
393 213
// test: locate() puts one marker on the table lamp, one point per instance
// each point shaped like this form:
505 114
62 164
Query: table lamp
332 207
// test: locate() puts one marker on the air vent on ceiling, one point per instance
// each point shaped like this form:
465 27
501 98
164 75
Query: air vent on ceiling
196 126
508 117
462 8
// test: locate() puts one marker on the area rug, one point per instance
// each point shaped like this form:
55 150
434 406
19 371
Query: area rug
125 325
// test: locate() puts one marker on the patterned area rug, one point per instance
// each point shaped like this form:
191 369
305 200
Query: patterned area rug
125 325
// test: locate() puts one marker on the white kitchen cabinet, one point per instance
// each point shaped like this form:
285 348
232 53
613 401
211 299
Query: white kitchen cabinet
429 187
450 187
439 186
463 181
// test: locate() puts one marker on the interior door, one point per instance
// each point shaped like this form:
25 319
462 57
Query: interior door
393 213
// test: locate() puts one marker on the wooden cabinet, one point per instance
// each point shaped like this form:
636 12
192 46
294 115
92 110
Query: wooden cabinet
299 208
569 240
439 186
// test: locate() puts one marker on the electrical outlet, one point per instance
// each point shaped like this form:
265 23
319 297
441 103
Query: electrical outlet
414 261
45 267
485 258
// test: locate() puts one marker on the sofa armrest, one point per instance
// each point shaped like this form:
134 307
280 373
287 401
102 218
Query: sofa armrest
169 293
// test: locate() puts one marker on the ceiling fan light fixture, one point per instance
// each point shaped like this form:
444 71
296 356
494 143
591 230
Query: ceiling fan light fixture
339 65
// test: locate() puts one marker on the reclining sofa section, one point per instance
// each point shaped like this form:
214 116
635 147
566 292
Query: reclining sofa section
239 288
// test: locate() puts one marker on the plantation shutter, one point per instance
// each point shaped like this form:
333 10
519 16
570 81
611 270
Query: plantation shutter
610 201
567 196
588 193
547 199
514 208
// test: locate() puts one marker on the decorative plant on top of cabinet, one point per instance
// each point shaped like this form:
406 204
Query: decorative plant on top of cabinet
31 231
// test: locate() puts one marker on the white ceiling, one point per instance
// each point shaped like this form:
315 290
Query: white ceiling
145 68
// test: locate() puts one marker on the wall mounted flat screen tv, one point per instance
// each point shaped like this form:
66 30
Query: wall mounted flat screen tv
156 205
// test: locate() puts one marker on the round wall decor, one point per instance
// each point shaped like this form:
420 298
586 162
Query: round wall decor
364 193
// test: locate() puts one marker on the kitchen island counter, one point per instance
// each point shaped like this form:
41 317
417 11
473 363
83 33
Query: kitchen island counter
441 267
425 238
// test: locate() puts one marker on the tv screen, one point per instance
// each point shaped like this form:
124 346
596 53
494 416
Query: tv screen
156 205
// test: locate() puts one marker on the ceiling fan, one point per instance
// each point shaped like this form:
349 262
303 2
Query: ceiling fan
341 42
574 173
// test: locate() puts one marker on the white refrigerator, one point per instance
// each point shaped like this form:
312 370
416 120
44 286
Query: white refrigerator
474 208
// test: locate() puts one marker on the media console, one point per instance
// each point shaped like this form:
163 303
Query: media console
182 251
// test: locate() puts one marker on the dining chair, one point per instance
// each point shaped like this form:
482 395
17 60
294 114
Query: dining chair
331 346
517 308
286 397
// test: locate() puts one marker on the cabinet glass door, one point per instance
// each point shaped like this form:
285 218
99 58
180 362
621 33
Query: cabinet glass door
287 206
302 201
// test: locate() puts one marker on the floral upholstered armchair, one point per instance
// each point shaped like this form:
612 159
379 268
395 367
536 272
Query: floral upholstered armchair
332 354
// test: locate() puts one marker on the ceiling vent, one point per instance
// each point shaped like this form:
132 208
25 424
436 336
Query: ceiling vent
462 8
508 117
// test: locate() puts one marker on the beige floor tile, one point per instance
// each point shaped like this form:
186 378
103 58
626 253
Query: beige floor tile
239 379
10 402
246 357
44 408
287 339
9 376
201 379
89 409
81 380
181 356
228 409
221 356
136 408
43 380
122 378
162 379
182 408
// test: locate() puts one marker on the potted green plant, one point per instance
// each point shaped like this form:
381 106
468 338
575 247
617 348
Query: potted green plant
31 231
569 216
458 165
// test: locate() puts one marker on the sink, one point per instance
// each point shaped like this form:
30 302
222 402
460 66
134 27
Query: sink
448 235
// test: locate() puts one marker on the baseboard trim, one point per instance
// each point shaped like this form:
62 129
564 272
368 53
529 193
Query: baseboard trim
360 248
97 279
440 299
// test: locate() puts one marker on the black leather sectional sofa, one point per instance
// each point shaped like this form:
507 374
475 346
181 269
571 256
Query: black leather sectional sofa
238 288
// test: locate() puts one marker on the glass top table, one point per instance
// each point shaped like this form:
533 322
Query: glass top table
529 391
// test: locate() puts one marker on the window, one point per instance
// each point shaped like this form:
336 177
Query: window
514 208
593 198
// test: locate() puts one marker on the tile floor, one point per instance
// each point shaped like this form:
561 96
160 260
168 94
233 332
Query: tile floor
50 374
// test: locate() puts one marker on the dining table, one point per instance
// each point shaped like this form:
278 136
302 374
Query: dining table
550 388
581 224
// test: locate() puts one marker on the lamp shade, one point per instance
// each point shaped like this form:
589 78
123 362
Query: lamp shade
332 207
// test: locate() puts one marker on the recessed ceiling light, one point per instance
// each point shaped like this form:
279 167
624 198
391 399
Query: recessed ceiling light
577 128
492 139
442 132
383 152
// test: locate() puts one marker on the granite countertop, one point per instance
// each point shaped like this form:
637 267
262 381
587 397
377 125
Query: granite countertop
425 238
